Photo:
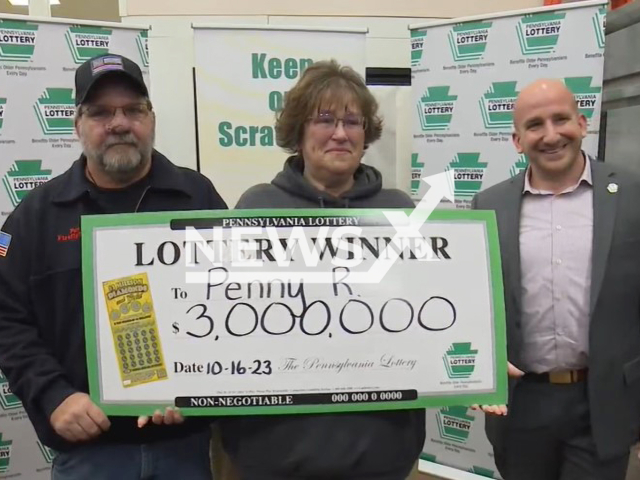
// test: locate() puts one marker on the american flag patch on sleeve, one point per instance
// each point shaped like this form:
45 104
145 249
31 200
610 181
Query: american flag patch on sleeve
5 241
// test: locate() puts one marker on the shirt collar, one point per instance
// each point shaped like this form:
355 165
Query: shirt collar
163 175
586 177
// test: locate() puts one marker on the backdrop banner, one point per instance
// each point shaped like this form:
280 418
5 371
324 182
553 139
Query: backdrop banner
38 59
242 74
466 75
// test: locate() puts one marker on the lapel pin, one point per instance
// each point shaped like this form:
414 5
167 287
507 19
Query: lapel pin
612 187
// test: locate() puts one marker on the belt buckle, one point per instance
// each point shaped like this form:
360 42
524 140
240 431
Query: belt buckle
564 377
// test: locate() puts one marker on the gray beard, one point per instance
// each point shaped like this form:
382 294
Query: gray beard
121 166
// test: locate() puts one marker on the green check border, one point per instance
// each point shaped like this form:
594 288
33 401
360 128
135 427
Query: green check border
91 224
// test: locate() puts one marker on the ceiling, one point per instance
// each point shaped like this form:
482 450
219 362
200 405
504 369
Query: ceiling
105 10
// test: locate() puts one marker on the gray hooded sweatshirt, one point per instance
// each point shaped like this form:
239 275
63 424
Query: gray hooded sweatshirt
344 446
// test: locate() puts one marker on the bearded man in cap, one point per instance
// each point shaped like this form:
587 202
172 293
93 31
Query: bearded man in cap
42 350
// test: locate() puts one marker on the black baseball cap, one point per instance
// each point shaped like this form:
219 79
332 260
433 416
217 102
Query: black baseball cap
88 74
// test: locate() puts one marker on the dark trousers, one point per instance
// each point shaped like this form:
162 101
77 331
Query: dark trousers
548 436
179 459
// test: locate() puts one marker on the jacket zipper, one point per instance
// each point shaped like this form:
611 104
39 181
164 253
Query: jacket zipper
141 198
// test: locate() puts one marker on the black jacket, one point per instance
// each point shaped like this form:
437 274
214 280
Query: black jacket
42 349
371 445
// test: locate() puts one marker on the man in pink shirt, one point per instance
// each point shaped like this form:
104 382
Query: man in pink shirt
569 231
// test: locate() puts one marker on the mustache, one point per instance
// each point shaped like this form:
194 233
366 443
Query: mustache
126 139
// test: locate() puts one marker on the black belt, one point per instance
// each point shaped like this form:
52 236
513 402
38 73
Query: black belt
563 377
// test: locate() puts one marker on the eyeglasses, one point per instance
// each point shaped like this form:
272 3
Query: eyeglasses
329 122
135 112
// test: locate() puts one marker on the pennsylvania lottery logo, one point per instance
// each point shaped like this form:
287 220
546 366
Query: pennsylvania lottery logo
468 174
24 176
460 360
5 454
56 110
600 25
417 46
454 423
142 40
87 42
436 108
587 97
521 164
17 40
416 173
8 401
483 472
468 41
497 105
3 104
47 453
539 32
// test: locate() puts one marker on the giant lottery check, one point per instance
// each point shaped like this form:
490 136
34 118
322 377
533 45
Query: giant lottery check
274 311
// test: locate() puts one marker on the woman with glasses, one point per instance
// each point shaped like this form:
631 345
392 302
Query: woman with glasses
328 120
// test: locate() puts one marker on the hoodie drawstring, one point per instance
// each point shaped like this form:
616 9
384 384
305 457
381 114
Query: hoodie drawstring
321 202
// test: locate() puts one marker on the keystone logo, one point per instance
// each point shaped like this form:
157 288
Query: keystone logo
460 360
142 40
3 103
586 96
5 454
539 32
17 40
468 174
87 42
8 401
483 472
24 176
454 423
600 25
416 173
468 41
47 453
435 108
55 110
497 105
521 164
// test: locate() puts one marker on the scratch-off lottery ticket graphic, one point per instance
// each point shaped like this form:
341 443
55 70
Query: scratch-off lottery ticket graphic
135 330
